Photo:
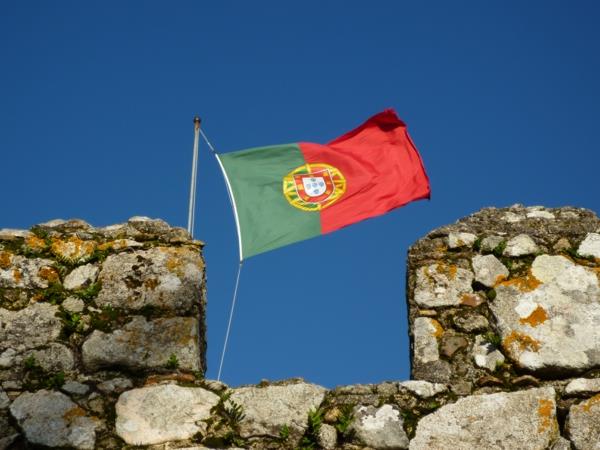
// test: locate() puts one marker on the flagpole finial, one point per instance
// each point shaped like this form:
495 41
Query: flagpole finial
196 122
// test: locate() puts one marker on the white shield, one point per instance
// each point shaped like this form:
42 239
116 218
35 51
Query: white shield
314 186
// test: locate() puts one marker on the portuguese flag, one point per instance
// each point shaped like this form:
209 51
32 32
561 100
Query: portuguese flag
286 193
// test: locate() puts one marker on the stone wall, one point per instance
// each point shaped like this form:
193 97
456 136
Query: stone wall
88 312
102 345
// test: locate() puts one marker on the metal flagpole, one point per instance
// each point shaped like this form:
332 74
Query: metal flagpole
192 205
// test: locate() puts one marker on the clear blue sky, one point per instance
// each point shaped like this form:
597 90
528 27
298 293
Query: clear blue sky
96 104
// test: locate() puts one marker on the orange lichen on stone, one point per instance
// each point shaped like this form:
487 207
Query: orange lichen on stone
438 328
35 243
73 249
73 413
5 260
525 284
447 269
17 275
588 404
472 300
537 317
500 279
546 413
521 341
49 274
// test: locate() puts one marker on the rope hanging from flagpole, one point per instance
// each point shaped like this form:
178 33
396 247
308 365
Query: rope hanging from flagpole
239 271
235 291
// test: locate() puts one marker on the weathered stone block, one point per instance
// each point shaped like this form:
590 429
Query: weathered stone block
157 414
145 344
524 420
161 277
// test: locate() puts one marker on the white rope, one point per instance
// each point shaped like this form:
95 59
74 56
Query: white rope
212 149
237 282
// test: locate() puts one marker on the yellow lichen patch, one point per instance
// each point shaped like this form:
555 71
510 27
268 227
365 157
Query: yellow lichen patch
49 274
447 269
177 260
5 260
151 283
537 317
546 413
525 284
441 248
35 243
17 275
438 328
73 249
520 342
588 404
73 413
472 300
499 279
106 246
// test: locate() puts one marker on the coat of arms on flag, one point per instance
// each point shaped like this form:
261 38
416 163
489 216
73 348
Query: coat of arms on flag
313 187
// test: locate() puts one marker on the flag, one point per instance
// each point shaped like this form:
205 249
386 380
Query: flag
287 193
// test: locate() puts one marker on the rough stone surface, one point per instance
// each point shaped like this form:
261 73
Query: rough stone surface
561 444
442 285
521 245
423 389
489 243
583 386
28 328
117 385
73 304
489 270
380 428
590 246
54 358
156 414
584 424
143 344
9 234
426 332
540 215
16 271
486 355
7 358
452 344
52 419
521 420
456 240
327 437
81 277
549 320
268 408
162 277
470 322
76 388
4 400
